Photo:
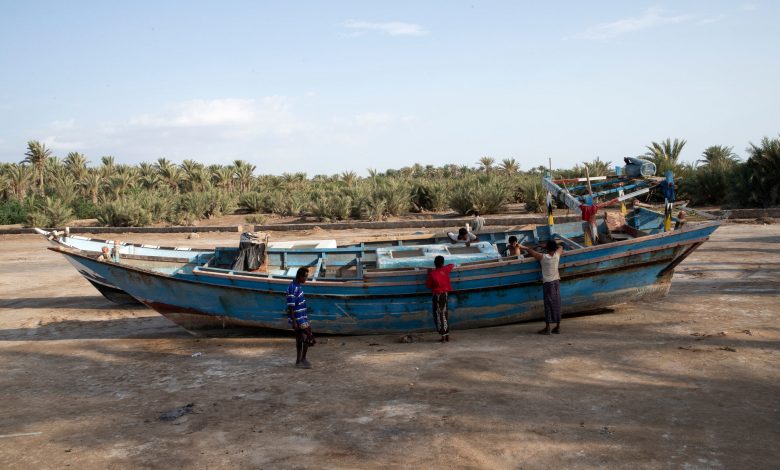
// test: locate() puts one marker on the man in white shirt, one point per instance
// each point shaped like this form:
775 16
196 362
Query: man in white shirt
551 284
463 236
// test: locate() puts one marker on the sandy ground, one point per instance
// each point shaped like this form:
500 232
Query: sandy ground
692 381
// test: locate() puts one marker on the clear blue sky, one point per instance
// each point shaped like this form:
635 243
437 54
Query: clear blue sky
326 87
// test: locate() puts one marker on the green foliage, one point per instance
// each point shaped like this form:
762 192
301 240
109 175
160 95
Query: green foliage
429 195
741 193
709 183
595 167
204 205
183 217
37 154
50 212
395 194
461 199
492 197
331 206
252 202
764 163
12 212
664 154
286 203
486 163
257 219
720 156
126 213
37 219
84 209
197 205
509 166
183 193
223 203
486 193
708 186
535 196
161 205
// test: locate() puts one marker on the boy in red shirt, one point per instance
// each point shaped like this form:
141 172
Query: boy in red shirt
439 283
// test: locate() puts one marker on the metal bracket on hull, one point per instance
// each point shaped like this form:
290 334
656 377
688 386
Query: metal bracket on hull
679 259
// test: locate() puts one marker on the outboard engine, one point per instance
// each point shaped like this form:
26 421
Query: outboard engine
636 168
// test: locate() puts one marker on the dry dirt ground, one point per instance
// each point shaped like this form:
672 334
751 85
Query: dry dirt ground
691 381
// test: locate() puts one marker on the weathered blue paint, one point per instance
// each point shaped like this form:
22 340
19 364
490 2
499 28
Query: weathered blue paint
484 294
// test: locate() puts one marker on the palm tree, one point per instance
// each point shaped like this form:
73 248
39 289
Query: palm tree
222 177
107 166
147 175
65 187
194 175
91 184
145 169
54 168
76 164
597 167
764 164
120 183
170 176
19 178
450 170
509 166
349 177
665 154
168 173
4 185
163 162
719 156
244 174
486 164
36 155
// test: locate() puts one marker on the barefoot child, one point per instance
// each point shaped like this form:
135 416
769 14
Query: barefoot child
299 319
439 283
551 286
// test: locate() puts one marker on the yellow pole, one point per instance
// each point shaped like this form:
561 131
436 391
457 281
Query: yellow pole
622 204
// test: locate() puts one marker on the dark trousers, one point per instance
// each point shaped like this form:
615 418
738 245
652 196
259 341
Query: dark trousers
552 302
441 314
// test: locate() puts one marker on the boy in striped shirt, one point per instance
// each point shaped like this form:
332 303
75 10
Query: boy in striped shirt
298 318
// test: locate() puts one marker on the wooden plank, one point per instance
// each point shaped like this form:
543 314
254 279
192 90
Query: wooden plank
569 241
579 180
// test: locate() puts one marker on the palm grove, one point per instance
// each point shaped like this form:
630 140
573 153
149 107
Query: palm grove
44 190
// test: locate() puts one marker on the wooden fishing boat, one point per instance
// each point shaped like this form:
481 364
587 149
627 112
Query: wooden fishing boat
380 287
349 294
157 258
167 259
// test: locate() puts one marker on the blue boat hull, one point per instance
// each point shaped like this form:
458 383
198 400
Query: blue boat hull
484 294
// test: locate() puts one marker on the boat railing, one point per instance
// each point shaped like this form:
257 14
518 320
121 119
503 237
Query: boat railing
288 268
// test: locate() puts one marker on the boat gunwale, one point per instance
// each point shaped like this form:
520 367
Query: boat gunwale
360 283
227 274
418 293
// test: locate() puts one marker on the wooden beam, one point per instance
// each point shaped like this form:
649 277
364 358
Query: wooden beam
569 241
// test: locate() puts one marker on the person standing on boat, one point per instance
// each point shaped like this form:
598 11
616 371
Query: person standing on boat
299 319
439 284
551 284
